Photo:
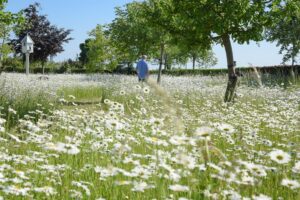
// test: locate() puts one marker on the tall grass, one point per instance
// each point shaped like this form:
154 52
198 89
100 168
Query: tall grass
176 141
14 105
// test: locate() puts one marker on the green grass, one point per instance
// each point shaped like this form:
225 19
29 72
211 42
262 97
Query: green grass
84 93
265 117
26 103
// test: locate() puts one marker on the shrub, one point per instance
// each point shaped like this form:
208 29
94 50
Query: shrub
11 64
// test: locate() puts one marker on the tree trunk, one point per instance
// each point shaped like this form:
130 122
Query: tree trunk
162 46
232 77
43 67
1 56
291 69
194 62
167 63
128 67
1 63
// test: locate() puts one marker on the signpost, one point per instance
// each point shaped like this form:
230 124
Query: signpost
27 48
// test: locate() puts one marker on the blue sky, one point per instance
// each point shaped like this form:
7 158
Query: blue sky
83 15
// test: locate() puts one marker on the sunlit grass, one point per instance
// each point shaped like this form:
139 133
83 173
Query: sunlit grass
147 139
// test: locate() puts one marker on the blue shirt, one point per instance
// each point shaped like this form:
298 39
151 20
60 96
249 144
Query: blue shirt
142 69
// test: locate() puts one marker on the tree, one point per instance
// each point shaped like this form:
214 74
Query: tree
83 52
134 35
100 54
286 30
129 33
204 59
210 21
5 48
173 55
48 39
197 53
7 22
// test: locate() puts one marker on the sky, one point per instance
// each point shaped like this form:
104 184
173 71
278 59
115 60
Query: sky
83 15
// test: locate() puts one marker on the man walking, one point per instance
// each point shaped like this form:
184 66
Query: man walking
142 69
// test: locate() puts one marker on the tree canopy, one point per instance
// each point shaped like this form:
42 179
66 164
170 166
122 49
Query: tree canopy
131 34
286 29
135 31
48 39
100 54
7 21
209 21
83 52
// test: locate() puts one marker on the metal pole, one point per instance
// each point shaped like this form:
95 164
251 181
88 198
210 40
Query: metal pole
27 63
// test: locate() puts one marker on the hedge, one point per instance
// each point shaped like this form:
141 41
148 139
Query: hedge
274 70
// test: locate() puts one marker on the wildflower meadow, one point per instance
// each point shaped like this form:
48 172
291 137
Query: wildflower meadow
111 137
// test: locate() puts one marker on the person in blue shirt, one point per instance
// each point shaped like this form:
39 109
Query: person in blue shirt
142 69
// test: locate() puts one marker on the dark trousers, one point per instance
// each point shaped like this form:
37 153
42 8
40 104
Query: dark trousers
142 79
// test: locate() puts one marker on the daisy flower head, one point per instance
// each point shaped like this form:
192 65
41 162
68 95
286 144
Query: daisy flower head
138 87
179 188
261 197
122 92
280 156
72 97
2 121
47 190
107 101
11 110
227 128
296 168
202 133
141 186
292 184
146 90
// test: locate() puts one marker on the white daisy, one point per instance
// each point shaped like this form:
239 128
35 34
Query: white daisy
146 90
12 110
138 87
2 121
261 197
47 190
62 147
227 128
2 129
292 184
71 96
203 133
107 101
141 186
280 156
16 190
179 188
296 168
122 92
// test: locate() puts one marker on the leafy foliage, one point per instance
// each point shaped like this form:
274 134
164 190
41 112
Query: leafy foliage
83 53
208 21
131 34
99 54
286 29
48 39
7 22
